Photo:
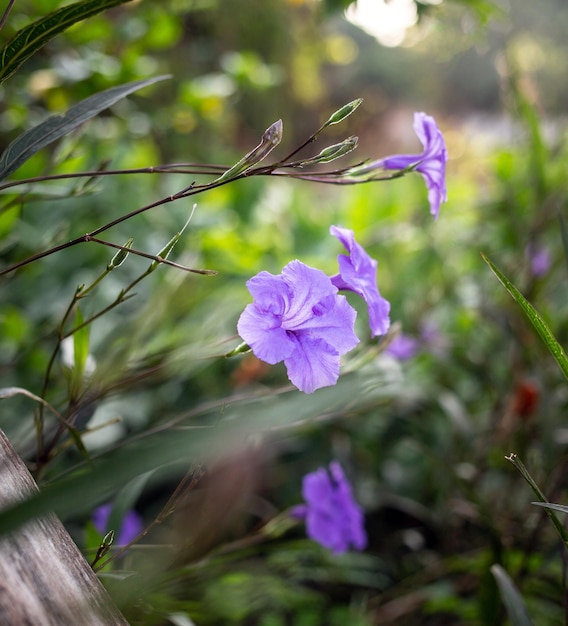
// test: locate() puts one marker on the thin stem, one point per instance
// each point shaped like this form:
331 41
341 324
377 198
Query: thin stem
523 471
308 141
39 421
186 192
6 13
187 483
152 257
171 168
330 177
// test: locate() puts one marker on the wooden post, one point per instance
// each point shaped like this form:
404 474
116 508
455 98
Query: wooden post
44 579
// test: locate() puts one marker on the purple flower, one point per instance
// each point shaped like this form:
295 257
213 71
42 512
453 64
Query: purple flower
403 347
333 518
298 317
539 261
431 163
358 273
130 528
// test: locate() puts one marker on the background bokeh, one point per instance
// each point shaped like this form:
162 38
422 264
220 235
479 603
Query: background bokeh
423 439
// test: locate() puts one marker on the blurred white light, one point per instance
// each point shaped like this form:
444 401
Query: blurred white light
386 20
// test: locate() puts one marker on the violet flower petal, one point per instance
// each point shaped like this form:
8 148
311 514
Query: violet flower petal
403 347
358 273
431 163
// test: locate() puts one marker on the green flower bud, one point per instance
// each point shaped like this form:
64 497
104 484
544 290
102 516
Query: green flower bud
119 258
343 112
242 348
164 253
108 539
333 152
270 139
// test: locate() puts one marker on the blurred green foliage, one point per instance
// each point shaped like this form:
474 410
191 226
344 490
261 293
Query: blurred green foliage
423 440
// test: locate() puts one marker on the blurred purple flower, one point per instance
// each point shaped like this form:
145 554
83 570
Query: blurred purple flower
358 273
430 332
403 347
431 163
298 317
333 518
540 261
130 528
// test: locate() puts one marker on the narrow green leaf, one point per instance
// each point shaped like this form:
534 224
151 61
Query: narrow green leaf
126 498
75 435
534 317
555 507
512 599
80 348
35 35
79 491
56 126
524 472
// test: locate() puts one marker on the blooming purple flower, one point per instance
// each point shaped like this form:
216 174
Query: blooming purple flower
358 273
298 317
431 163
130 528
403 347
333 518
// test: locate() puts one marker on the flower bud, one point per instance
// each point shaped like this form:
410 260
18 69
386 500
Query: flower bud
343 112
119 258
164 253
333 152
270 139
242 348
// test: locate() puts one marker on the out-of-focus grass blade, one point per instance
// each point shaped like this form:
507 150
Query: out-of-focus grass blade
172 448
534 317
555 507
80 346
512 599
56 126
35 35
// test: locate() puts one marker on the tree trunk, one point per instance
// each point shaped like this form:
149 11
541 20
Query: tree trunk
44 579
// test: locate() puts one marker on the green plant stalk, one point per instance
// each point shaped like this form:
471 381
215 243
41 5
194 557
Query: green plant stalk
534 317
523 471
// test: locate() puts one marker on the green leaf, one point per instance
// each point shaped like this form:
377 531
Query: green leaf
78 491
555 507
535 319
524 472
512 599
35 35
56 126
80 348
